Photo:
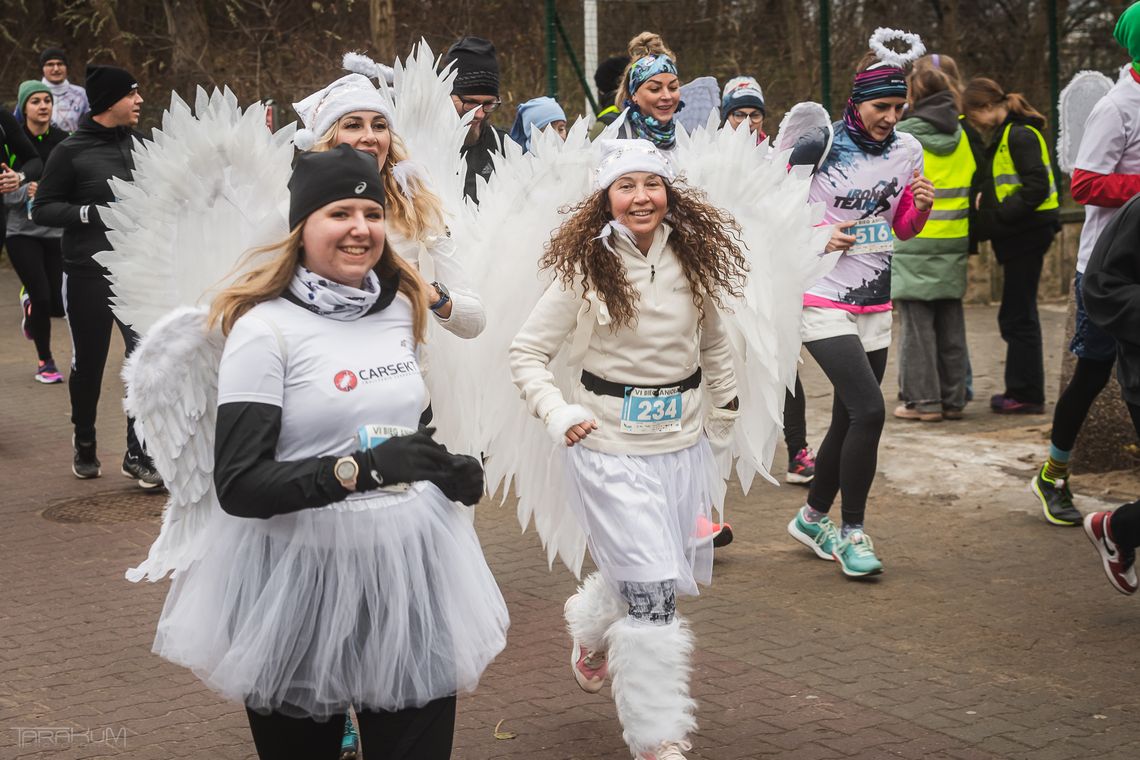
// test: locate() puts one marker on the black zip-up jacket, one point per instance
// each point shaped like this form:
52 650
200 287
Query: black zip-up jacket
1111 290
1016 215
478 157
76 176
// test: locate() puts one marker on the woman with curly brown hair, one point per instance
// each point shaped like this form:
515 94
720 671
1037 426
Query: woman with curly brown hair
638 303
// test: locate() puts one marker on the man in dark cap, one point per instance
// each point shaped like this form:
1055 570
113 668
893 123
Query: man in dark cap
74 185
476 88
69 101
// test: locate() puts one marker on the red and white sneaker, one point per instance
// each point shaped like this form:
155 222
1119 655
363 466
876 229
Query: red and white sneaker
667 751
720 533
590 668
1119 563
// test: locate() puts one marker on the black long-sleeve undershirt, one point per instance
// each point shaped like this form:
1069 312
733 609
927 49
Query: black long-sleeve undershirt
250 482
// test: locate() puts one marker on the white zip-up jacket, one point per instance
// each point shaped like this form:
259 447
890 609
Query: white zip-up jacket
663 347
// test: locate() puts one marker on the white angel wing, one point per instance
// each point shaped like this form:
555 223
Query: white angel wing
212 184
552 176
782 246
802 118
1075 104
432 130
172 393
701 97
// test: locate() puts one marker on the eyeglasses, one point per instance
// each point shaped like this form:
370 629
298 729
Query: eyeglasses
471 105
753 116
55 65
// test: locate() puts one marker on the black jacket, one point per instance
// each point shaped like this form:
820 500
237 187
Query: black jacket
1014 216
478 157
18 153
1111 290
76 176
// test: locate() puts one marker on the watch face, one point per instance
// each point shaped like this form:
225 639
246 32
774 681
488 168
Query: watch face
345 470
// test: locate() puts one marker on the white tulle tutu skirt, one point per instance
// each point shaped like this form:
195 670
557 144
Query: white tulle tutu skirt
643 515
379 602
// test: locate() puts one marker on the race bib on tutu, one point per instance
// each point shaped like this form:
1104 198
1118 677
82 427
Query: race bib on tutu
369 436
651 410
872 235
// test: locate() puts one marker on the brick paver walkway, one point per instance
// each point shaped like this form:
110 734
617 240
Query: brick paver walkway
991 634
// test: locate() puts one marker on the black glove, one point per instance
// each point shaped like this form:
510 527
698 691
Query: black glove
403 459
465 482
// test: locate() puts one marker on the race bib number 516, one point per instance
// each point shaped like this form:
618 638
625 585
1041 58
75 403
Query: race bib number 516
872 235
651 410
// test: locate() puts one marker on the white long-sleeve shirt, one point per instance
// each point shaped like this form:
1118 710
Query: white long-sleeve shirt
435 260
663 347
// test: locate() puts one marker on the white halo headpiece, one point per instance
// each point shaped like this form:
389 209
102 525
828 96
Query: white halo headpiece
883 35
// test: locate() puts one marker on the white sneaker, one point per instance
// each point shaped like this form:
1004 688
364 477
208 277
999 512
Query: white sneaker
668 751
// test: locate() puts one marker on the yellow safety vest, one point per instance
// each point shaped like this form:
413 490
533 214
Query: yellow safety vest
1006 179
951 175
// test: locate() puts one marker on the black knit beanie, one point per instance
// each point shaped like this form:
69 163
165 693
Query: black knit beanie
477 66
607 78
106 86
320 178
53 54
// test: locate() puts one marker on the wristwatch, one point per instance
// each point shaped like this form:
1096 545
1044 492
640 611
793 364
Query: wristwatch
444 296
346 471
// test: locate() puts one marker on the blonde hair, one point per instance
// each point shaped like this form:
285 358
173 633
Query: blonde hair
416 218
270 278
646 43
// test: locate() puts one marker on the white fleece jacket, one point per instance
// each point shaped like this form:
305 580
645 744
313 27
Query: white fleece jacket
663 347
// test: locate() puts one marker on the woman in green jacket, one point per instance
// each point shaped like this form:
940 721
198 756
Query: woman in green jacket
928 272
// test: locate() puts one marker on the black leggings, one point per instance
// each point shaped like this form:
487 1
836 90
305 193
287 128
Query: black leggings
90 318
795 420
1125 522
849 454
39 265
417 733
1088 380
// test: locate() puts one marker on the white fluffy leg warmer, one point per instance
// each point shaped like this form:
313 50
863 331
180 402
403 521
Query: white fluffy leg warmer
650 665
596 608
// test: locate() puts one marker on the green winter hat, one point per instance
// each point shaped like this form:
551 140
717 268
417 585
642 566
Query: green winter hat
1127 33
27 90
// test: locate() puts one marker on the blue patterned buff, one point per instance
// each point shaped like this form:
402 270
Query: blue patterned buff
648 67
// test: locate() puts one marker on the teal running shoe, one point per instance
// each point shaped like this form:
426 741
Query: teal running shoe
856 555
350 744
820 537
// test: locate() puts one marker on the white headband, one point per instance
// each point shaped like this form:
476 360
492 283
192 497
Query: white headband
624 156
322 109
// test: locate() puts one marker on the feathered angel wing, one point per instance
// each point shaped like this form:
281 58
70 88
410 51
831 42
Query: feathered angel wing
172 394
432 130
701 97
782 246
1074 106
552 176
212 184
801 119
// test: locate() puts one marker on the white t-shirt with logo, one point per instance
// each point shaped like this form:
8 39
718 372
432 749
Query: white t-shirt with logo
329 377
1111 145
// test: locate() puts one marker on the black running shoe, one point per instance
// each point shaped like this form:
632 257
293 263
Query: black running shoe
85 464
1056 499
141 467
